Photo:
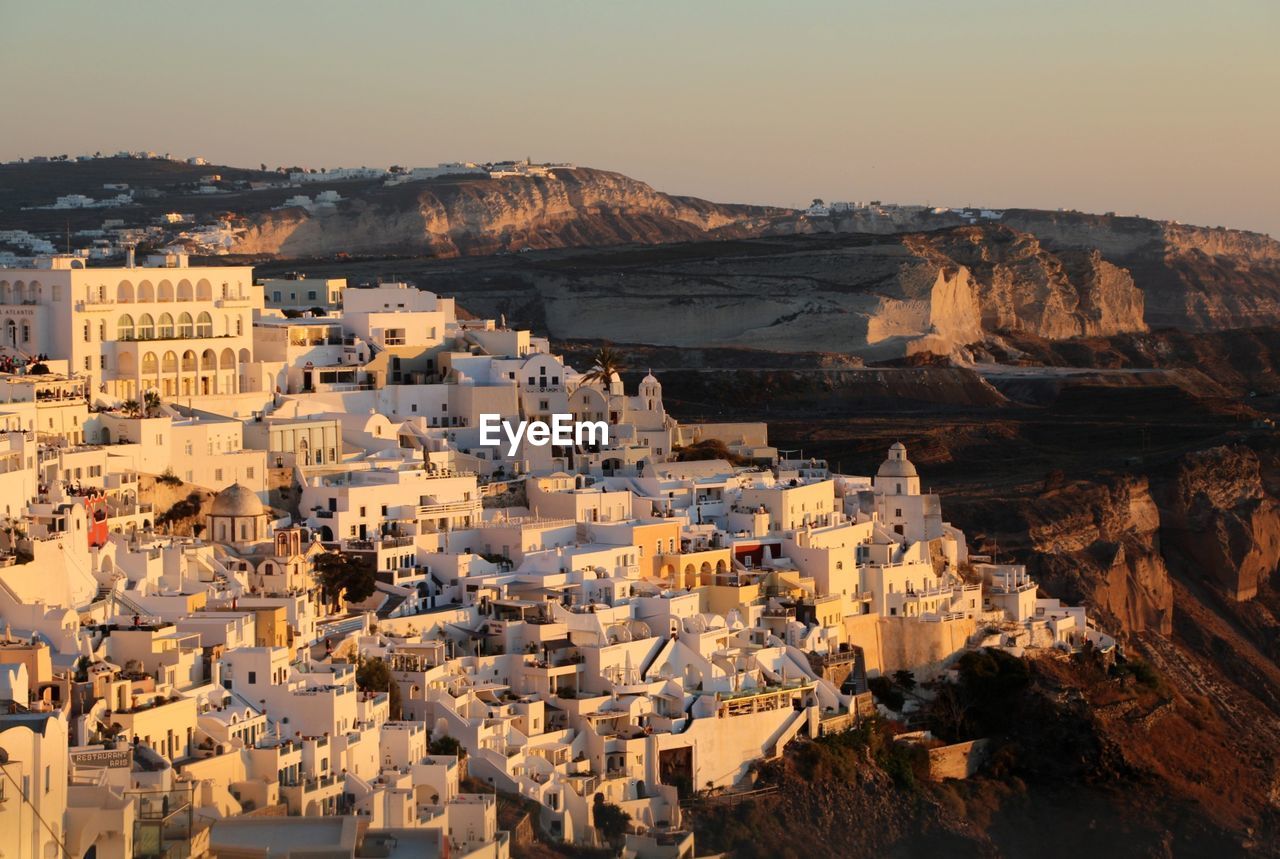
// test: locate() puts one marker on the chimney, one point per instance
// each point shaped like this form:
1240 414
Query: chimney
129 257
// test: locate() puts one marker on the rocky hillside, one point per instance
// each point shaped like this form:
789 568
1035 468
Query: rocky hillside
572 207
876 297
1194 278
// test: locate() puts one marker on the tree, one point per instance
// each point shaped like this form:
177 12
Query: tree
447 746
373 675
346 576
605 363
131 408
905 679
610 820
151 403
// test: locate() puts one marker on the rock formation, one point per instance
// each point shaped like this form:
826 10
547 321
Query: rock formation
573 207
1220 521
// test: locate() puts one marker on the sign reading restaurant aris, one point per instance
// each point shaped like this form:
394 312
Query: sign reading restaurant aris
103 759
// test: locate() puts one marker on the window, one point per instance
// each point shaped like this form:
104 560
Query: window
217 474
88 333
88 362
253 677
248 472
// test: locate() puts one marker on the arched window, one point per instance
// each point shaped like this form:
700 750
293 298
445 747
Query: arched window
189 361
149 364
146 327
165 291
165 329
239 326
146 292
204 325
124 328
26 332
124 292
169 363
185 328
102 330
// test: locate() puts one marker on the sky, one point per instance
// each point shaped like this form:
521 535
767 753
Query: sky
1164 108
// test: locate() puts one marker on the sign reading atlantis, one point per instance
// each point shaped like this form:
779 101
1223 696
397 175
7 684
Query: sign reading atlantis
561 432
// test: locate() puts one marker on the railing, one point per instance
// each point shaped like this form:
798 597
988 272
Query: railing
449 507
526 520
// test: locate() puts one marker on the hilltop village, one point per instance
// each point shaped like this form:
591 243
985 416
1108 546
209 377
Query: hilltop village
266 591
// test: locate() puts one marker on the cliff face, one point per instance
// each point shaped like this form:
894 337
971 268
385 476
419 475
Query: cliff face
578 207
1122 542
874 297
1220 522
1051 274
1194 278
1100 541
1021 286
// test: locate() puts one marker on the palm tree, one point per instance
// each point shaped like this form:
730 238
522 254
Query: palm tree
606 362
131 408
151 403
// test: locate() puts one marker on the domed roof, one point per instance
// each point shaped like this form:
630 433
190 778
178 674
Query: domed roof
650 379
237 500
897 465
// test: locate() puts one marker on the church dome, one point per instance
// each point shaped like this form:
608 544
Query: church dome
897 465
237 500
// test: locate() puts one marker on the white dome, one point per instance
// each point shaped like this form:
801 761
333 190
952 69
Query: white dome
897 465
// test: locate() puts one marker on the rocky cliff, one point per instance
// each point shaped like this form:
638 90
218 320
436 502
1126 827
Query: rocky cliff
876 297
1020 285
571 207
1092 541
1219 521
1194 278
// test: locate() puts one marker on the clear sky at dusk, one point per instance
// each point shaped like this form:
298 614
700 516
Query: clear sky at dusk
1168 108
